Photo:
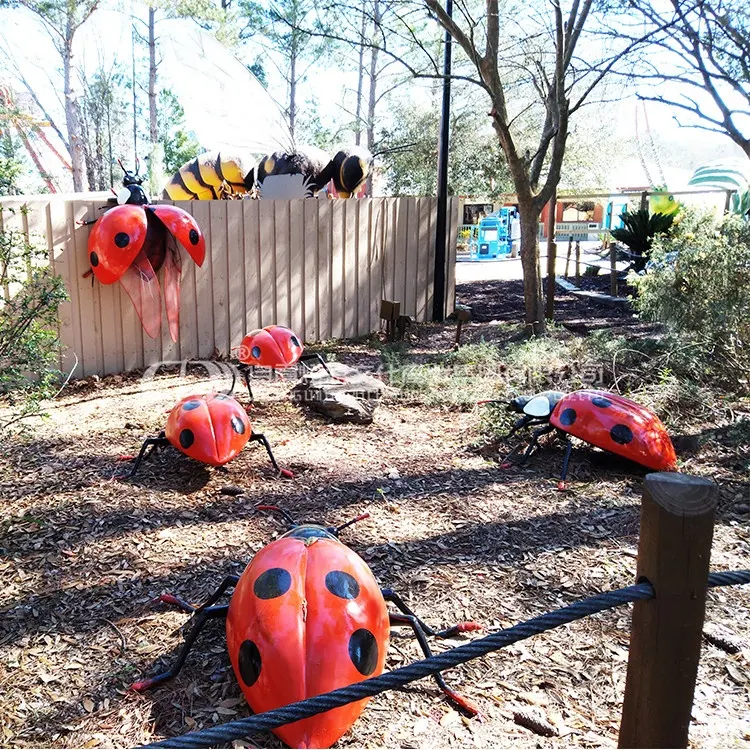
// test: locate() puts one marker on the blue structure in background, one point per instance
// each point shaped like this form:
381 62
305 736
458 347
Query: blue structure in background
493 238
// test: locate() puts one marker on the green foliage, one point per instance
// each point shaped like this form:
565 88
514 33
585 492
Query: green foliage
639 231
28 319
700 288
11 164
476 165
179 145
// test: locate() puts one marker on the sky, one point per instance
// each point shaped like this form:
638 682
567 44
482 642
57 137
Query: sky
226 109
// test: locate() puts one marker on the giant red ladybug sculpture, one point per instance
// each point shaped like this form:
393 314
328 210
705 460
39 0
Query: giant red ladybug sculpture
129 244
276 347
307 616
211 428
606 420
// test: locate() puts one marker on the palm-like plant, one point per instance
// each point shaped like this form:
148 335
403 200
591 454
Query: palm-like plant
639 230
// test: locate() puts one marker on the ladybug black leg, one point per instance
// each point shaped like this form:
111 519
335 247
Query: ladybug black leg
228 582
535 440
391 596
561 486
199 621
419 631
259 437
152 443
245 370
322 362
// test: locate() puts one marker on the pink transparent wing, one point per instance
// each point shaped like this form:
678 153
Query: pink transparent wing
142 286
172 273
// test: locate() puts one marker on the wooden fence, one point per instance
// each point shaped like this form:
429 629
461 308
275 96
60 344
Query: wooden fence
320 267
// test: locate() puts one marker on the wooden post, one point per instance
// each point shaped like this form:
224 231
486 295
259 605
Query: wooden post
578 261
728 201
613 269
551 256
677 519
644 200
463 315
567 260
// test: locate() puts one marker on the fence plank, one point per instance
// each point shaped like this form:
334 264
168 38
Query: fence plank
450 255
204 296
364 301
297 267
282 267
236 304
220 275
375 260
338 287
400 255
188 306
251 252
324 305
310 270
350 267
267 263
88 314
431 237
423 256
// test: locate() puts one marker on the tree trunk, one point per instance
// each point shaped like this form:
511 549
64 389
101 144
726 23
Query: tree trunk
372 100
153 126
360 79
72 119
532 277
292 87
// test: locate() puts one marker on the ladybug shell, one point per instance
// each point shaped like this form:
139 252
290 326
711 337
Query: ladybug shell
306 617
272 346
618 425
184 228
115 241
210 428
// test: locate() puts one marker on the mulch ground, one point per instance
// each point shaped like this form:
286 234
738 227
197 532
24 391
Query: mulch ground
459 537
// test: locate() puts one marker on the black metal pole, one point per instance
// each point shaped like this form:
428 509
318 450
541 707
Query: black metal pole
438 299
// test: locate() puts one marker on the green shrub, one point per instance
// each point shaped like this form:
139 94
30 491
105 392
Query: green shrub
700 289
28 321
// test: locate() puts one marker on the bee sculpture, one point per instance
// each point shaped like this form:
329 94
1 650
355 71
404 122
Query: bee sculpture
214 175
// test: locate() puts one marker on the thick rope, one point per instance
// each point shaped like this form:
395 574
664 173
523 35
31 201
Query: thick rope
233 730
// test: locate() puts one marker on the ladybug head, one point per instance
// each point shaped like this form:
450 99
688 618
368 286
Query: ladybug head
540 405
131 178
311 530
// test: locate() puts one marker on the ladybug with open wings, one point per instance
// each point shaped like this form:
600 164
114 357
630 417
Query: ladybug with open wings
276 347
306 616
606 420
129 244
211 428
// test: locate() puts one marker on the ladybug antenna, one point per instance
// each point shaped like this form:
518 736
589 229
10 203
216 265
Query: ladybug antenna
276 509
352 521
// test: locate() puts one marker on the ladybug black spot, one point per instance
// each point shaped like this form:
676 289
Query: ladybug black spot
194 237
190 405
238 425
295 341
187 438
255 352
249 661
621 434
601 402
272 583
363 651
568 417
342 584
94 258
122 239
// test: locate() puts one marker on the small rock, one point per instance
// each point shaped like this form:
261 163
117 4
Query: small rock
392 473
348 396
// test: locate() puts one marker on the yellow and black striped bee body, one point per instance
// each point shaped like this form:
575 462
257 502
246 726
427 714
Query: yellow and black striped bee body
308 161
211 175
